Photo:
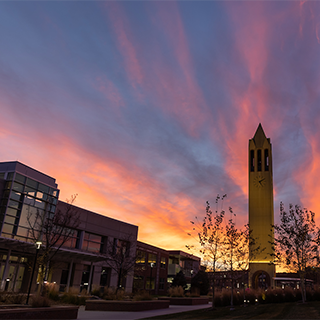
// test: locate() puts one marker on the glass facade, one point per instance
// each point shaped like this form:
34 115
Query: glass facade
24 199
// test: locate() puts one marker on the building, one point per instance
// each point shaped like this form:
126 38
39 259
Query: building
223 279
185 262
81 261
261 212
151 269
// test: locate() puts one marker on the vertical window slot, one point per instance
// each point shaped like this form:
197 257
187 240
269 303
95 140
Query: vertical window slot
252 160
266 160
259 160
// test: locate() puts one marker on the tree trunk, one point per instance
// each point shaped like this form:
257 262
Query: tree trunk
213 290
303 287
119 280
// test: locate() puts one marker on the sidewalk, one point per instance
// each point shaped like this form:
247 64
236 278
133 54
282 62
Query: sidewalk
116 315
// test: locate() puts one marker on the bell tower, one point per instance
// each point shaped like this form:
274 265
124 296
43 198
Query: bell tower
261 215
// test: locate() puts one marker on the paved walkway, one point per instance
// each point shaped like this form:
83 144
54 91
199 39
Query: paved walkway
116 315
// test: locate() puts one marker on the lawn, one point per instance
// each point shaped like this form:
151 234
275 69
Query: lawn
293 310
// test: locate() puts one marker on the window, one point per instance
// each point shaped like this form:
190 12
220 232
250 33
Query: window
138 282
266 160
10 176
259 160
141 257
20 178
30 191
163 262
9 219
150 284
14 204
105 276
12 212
161 283
43 188
121 246
104 244
15 195
72 241
252 160
92 242
152 258
7 228
32 183
17 187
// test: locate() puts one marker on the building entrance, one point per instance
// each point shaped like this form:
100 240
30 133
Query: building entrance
12 272
261 279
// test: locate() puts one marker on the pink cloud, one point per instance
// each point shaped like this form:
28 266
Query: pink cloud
125 43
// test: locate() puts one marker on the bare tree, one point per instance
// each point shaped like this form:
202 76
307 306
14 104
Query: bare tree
53 230
296 241
209 232
121 258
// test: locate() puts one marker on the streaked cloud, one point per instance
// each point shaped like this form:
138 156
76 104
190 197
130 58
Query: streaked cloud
145 109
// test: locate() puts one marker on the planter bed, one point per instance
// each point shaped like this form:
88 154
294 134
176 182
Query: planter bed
115 305
186 301
39 313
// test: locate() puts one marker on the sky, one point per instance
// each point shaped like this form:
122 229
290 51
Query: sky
145 108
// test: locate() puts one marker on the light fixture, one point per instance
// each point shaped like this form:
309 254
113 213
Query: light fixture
38 244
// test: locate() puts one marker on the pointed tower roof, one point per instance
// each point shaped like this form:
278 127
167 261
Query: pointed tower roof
259 137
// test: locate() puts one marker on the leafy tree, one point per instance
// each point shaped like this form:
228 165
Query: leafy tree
179 280
210 237
234 242
296 241
201 282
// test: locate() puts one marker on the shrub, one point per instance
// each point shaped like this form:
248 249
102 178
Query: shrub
225 297
298 295
72 297
141 296
96 291
288 295
39 301
84 292
13 298
309 294
217 299
250 296
195 292
73 290
113 294
52 290
176 292
270 296
316 294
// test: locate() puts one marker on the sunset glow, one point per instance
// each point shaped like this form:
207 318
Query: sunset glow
144 109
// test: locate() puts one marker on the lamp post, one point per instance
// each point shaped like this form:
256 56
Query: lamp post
38 245
151 266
